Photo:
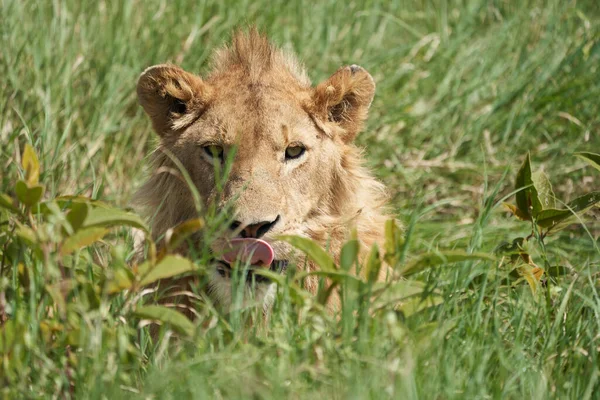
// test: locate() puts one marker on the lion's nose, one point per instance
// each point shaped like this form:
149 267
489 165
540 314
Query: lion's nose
254 230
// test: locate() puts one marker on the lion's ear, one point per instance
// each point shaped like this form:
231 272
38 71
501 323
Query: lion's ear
172 97
345 98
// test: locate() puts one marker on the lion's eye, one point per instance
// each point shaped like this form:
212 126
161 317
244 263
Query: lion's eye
293 152
214 151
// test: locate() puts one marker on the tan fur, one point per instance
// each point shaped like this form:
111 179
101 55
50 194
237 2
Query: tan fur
259 100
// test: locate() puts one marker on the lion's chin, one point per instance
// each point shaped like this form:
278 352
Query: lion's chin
254 294
257 290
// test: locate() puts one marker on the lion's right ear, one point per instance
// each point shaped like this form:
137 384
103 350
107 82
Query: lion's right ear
344 100
172 97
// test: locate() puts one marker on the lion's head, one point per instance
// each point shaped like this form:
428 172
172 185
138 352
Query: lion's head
295 169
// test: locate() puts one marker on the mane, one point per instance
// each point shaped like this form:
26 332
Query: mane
252 52
164 199
356 201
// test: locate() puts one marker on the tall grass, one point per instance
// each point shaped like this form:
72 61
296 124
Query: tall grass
464 90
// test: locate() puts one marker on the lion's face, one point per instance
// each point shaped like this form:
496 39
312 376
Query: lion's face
282 164
285 140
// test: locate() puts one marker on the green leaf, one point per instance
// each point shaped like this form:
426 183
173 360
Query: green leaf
122 280
522 183
77 215
31 165
168 267
415 305
584 202
26 233
312 250
514 249
398 290
393 242
544 192
592 159
335 276
349 254
558 270
325 293
66 200
106 217
427 260
29 195
273 276
166 315
373 264
177 235
82 238
10 334
552 217
74 337
535 191
8 203
407 296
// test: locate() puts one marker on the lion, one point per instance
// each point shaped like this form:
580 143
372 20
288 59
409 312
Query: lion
295 170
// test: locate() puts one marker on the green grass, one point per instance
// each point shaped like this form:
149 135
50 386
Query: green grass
464 90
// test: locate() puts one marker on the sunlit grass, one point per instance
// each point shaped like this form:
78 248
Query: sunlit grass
464 90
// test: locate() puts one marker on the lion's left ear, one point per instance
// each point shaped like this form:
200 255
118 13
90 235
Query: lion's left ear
344 99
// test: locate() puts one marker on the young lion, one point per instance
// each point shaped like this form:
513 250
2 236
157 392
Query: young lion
296 170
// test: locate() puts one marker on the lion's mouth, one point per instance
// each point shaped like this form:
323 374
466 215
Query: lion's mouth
258 254
278 266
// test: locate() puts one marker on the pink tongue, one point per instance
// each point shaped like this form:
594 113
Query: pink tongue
254 251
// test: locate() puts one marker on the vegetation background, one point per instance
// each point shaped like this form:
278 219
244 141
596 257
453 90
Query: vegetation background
464 90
